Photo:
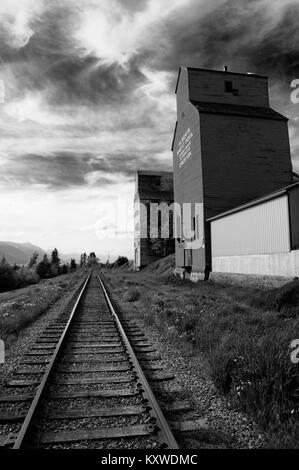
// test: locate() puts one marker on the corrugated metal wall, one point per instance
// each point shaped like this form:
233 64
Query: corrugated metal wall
294 216
261 229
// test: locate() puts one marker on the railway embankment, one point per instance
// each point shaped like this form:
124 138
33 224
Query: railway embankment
229 345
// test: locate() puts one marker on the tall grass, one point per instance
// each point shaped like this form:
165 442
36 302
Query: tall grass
245 337
16 315
20 308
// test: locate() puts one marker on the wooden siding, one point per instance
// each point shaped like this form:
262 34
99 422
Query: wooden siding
242 158
151 187
210 86
188 177
182 93
234 158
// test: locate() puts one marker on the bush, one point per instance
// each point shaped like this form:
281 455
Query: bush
121 260
8 277
73 266
132 296
27 277
260 378
64 269
43 268
14 277
284 298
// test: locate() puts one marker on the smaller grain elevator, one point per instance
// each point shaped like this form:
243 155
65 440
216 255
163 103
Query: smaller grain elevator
153 197
229 147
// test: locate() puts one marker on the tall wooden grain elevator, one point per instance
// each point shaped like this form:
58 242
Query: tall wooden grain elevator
229 147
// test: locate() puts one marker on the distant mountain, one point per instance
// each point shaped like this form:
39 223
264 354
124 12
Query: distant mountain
19 253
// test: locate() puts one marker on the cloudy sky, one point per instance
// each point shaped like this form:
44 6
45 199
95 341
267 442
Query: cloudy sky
87 96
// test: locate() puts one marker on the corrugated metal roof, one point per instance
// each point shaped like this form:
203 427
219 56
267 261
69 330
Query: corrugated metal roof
255 202
237 110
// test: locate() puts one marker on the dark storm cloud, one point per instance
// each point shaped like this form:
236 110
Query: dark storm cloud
68 170
239 32
50 59
258 36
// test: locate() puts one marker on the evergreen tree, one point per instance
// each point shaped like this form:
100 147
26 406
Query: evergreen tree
73 265
43 268
4 261
64 269
55 258
33 260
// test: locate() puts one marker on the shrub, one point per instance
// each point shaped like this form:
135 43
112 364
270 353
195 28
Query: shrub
43 268
121 260
258 375
8 277
64 269
27 277
132 296
73 266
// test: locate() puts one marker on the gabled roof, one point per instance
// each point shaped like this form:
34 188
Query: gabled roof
178 79
217 71
237 110
174 134
246 74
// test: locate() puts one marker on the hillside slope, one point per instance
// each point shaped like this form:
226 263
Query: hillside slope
19 253
162 267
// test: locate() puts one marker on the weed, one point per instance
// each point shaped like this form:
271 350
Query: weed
132 296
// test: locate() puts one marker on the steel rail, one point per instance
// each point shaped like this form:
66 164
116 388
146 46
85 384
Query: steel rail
163 427
34 405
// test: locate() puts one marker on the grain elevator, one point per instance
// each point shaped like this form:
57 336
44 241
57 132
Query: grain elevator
229 147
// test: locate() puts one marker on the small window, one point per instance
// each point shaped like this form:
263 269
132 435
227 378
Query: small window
159 225
194 228
228 87
178 229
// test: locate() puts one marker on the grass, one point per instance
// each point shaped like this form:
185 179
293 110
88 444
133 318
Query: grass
21 307
244 336
132 296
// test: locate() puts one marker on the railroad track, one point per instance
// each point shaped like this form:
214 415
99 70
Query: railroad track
82 386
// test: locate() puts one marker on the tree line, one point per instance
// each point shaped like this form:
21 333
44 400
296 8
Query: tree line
15 276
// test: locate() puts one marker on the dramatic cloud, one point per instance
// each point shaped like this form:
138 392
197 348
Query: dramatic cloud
87 92
16 19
